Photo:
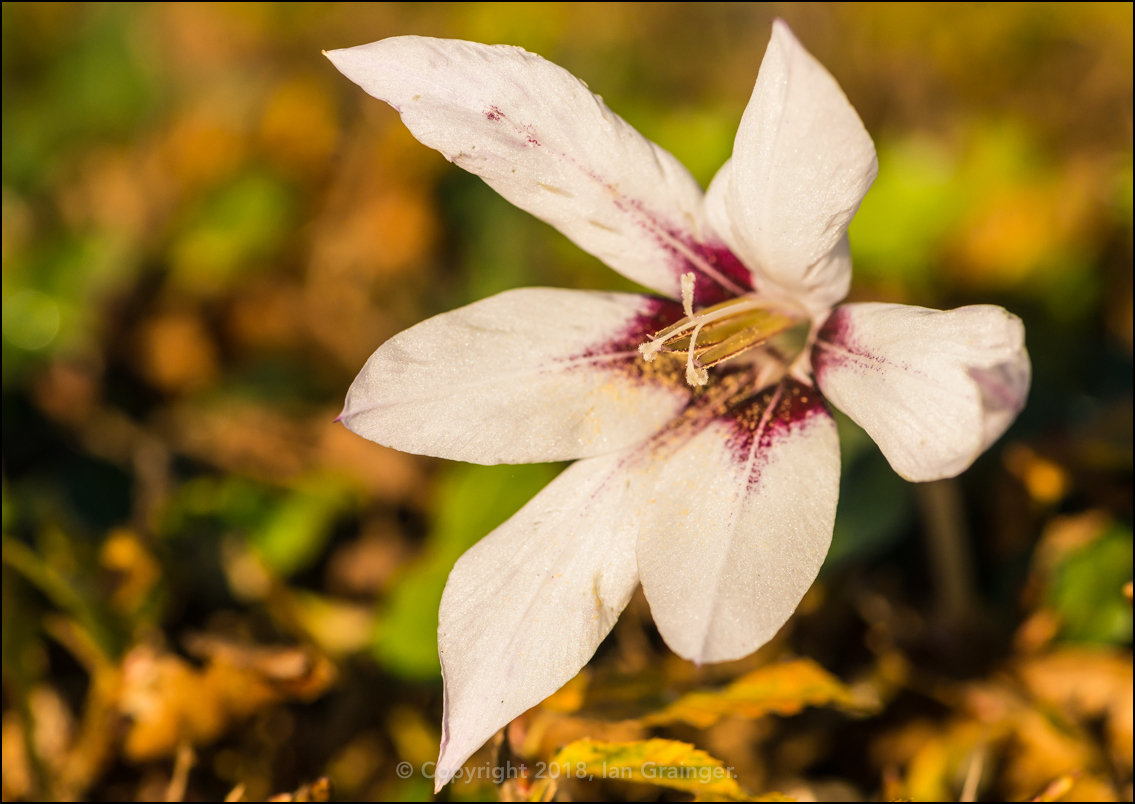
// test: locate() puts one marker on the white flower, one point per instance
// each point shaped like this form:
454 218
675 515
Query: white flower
714 486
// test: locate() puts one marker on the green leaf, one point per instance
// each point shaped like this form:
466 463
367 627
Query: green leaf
1087 590
294 535
912 206
243 223
62 592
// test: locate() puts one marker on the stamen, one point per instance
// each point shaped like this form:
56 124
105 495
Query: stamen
650 350
688 293
695 374
726 330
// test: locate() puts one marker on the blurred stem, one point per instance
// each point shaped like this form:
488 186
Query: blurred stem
942 508
973 775
179 781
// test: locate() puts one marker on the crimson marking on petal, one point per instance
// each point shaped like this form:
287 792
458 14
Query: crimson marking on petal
709 291
836 347
656 313
762 419
777 409
528 132
620 351
719 274
824 358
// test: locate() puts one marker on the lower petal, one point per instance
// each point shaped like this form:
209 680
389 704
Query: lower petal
527 606
934 389
740 522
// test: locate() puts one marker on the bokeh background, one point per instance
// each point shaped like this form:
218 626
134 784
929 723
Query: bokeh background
211 589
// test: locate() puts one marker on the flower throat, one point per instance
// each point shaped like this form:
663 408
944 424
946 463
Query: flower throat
727 330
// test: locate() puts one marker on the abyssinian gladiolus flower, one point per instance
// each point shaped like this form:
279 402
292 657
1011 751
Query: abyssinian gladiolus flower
706 459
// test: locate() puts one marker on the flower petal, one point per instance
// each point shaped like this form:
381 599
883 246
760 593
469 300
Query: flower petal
541 139
802 162
527 606
934 389
740 523
529 375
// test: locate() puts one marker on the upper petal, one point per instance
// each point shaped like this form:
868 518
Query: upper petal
527 606
933 388
741 521
802 162
527 376
541 139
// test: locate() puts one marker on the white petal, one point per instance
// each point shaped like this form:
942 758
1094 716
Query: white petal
740 524
527 606
541 139
802 162
933 388
529 375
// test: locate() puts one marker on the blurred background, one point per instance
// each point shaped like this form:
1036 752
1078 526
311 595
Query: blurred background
210 589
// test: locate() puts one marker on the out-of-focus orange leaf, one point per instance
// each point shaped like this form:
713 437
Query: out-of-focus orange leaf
383 472
205 145
138 571
1047 481
16 776
1041 749
569 697
319 790
1057 789
382 234
118 191
338 627
356 764
246 439
364 566
263 443
67 392
539 733
177 353
415 739
52 733
300 126
1088 684
782 689
267 315
938 768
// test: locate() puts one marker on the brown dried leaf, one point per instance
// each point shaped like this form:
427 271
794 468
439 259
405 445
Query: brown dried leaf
169 701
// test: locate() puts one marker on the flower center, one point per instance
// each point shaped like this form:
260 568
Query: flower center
724 331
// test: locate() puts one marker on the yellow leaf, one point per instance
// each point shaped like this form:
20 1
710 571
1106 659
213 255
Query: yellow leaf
569 697
543 790
666 763
782 689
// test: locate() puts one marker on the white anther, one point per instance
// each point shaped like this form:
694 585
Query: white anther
688 293
649 350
